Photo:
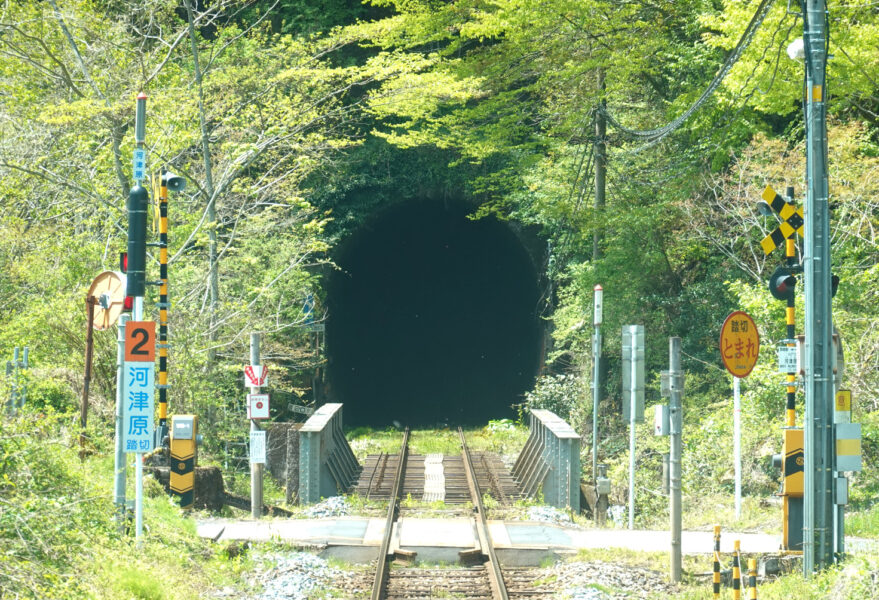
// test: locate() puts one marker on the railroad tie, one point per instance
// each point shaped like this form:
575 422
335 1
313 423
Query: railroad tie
434 478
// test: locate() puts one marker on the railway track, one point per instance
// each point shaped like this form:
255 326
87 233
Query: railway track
485 581
376 478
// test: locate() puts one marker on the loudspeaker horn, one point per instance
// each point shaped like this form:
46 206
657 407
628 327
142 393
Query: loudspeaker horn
173 182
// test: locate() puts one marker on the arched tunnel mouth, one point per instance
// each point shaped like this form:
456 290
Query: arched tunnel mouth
432 318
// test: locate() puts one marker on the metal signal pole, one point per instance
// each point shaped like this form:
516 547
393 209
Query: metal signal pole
818 525
138 199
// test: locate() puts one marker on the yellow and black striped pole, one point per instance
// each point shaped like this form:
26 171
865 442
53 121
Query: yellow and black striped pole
752 579
790 319
164 305
716 578
737 571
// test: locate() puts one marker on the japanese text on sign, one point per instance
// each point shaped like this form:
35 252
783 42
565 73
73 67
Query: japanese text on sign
139 386
257 447
138 407
739 343
787 359
257 406
139 164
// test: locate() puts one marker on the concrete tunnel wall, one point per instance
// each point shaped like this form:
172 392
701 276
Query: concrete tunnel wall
432 318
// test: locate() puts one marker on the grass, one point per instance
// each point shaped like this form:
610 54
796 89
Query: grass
702 511
503 437
863 523
59 535
854 579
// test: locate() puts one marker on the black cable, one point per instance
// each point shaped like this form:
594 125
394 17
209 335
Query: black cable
658 133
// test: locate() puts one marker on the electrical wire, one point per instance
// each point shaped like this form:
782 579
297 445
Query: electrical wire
655 135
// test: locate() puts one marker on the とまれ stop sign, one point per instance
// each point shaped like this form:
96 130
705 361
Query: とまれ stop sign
257 406
739 344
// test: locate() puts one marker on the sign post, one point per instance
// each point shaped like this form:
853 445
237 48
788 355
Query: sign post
255 376
596 372
675 427
739 349
138 404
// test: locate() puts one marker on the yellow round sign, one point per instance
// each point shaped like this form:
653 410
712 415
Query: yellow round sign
739 344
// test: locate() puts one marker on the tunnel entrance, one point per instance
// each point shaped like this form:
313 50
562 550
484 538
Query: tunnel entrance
432 319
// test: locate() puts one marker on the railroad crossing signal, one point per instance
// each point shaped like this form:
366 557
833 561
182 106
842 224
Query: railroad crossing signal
791 220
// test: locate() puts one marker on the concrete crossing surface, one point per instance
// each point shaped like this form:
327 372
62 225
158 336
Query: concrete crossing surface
519 542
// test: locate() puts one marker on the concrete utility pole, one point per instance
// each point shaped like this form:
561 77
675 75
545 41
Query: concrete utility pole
818 534
600 164
676 421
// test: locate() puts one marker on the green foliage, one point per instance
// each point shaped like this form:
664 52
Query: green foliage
318 115
137 584
566 395
58 531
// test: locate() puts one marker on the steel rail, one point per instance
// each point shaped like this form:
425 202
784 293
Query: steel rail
492 567
374 470
381 572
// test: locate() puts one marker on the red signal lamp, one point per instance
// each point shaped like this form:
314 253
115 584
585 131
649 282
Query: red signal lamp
128 303
782 284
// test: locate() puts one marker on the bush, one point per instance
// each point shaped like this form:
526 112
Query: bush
565 395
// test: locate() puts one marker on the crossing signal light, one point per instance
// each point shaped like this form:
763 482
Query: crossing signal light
834 285
138 200
782 284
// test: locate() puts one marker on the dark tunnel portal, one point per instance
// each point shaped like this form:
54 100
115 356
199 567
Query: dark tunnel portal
432 319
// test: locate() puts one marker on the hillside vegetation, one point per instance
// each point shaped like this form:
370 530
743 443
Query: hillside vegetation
293 121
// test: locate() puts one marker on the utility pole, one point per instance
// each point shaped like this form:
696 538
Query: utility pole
600 165
676 421
818 533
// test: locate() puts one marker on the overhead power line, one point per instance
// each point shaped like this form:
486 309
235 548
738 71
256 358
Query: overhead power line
654 135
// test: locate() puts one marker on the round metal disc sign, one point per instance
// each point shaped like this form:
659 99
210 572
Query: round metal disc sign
739 344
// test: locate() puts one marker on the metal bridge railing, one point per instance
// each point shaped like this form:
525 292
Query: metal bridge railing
327 466
550 461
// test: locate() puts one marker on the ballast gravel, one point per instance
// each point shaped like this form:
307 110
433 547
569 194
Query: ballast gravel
304 576
548 514
299 576
334 506
576 581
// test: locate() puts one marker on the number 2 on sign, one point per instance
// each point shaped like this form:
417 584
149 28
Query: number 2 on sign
140 341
